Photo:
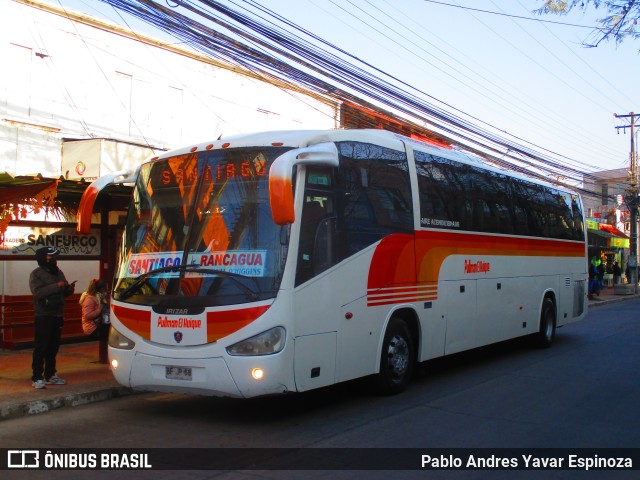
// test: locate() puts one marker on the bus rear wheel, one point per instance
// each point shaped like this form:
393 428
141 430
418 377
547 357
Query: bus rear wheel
396 360
545 336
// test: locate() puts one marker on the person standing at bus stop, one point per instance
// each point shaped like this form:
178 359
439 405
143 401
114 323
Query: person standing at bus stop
617 273
49 288
95 315
593 278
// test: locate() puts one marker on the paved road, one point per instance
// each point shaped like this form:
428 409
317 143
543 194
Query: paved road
582 393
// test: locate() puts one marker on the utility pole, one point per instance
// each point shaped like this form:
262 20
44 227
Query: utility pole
632 201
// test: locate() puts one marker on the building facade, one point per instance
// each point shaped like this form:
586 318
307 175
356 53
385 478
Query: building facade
608 218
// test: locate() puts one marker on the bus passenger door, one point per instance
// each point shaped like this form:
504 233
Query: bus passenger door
314 310
316 248
462 325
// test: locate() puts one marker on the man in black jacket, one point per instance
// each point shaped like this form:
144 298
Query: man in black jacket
49 288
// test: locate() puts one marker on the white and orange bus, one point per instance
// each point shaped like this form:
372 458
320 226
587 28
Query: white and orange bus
286 261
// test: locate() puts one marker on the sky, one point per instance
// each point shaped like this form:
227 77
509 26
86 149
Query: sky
530 79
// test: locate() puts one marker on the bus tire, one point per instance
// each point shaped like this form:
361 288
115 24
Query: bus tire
397 359
545 336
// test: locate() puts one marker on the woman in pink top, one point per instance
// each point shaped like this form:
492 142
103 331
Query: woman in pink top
92 314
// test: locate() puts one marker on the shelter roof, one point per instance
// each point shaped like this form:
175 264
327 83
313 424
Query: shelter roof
13 189
58 194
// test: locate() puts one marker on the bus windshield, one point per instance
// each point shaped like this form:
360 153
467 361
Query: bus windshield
199 227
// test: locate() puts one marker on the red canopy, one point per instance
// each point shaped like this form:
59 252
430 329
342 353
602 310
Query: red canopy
612 230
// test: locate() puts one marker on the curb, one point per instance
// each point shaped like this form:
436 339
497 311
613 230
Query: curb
622 298
74 400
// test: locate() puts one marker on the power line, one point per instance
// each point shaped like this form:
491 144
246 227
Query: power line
322 71
511 16
500 100
422 91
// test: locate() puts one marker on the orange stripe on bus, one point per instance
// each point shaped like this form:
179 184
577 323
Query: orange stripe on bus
433 248
221 324
138 321
404 261
371 302
402 290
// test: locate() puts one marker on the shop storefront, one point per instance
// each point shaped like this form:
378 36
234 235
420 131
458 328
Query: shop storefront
608 245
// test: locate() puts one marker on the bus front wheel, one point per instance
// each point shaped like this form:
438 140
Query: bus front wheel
396 359
545 336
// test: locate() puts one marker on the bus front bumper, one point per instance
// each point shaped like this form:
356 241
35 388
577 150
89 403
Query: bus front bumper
199 376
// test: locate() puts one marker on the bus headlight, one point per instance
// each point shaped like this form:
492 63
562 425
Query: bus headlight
118 340
265 343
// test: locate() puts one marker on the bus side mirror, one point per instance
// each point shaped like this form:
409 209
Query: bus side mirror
85 209
281 177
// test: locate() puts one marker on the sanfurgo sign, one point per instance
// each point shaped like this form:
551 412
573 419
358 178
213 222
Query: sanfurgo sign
22 241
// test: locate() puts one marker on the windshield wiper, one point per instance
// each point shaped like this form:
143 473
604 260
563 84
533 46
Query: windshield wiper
253 293
141 278
137 283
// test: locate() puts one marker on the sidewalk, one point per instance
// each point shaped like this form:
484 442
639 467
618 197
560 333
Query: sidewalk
89 381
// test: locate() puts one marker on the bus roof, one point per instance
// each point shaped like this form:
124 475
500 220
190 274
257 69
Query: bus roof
305 138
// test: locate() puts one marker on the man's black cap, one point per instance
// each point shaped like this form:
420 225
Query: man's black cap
41 254
51 251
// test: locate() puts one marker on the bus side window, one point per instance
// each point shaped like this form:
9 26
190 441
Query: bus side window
317 226
373 196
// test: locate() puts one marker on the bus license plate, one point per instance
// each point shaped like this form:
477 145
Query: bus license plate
178 373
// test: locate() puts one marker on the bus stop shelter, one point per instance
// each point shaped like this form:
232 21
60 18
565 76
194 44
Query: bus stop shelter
53 203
